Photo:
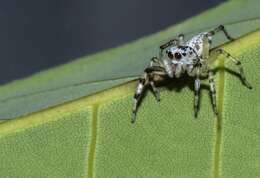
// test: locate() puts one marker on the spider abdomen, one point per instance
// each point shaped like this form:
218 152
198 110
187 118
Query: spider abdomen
198 42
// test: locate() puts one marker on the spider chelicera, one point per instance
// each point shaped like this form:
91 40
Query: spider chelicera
193 57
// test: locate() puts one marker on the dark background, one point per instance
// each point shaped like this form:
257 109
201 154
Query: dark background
39 34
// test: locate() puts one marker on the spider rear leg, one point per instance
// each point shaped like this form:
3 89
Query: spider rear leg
221 28
213 91
238 64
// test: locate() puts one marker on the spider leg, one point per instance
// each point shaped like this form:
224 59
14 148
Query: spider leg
218 29
213 91
155 61
181 39
143 82
173 42
197 91
155 91
238 64
138 94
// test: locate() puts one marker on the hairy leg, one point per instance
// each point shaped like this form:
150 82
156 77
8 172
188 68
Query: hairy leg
138 94
173 42
181 39
237 63
220 28
143 82
196 92
213 91
155 61
155 91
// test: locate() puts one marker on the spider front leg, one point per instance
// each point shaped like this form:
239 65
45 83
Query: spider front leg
213 91
181 39
155 61
138 94
196 93
155 90
238 64
173 42
147 79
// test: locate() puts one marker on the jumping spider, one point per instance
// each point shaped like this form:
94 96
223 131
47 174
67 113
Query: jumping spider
193 57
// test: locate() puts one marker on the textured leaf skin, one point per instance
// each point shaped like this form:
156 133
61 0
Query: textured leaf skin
52 143
166 141
93 136
120 65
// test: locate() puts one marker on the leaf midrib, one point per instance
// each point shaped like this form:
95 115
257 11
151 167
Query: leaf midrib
93 141
218 123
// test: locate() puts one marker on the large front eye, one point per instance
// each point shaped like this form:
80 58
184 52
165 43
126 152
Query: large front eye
177 56
170 55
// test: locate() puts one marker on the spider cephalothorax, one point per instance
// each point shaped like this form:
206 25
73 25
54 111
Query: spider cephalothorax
193 57
182 59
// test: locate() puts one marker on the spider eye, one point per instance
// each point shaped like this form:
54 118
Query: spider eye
170 55
177 56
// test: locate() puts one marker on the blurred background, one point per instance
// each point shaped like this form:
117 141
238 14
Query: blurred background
40 34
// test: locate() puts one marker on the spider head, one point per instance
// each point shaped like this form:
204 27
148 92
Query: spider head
180 58
180 54
172 59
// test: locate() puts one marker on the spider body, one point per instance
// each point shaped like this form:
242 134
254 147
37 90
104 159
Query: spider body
188 55
192 57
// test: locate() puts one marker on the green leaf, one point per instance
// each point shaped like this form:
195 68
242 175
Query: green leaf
93 137
47 144
108 69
